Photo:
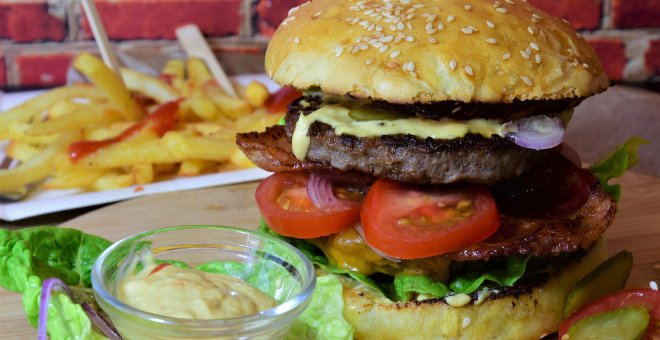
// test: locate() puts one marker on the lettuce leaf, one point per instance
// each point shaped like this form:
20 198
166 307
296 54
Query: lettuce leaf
67 320
615 164
44 252
323 319
406 285
470 281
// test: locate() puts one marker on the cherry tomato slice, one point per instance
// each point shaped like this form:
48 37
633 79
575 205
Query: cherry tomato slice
287 209
408 221
279 101
645 297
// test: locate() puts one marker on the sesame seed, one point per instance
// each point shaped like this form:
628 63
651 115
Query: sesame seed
392 65
363 46
409 25
413 74
431 31
387 38
441 26
400 26
383 48
355 21
524 54
531 30
433 40
369 61
429 26
534 46
467 30
491 41
379 28
349 19
317 14
409 66
527 81
490 24
338 51
502 10
296 40
536 16
371 27
585 65
469 70
410 38
538 58
456 109
405 1
431 18
466 322
509 2
451 18
395 54
452 64
355 50
506 56
398 39
377 44
468 7
364 23
653 285
369 11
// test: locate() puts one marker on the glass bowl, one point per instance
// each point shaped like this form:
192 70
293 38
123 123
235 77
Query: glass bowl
269 264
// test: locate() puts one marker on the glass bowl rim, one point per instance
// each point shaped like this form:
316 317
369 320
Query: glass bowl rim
281 310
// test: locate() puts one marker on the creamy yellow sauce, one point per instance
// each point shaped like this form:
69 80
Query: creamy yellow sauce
338 117
190 293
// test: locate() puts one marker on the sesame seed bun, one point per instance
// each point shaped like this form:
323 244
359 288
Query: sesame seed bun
433 50
529 315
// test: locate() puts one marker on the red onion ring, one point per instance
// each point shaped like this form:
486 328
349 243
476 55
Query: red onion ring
319 191
360 231
569 153
47 288
535 132
100 322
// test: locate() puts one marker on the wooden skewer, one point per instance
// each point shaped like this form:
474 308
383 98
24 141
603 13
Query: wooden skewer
195 45
101 37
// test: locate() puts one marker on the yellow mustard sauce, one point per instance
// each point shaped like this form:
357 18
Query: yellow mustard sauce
338 117
190 293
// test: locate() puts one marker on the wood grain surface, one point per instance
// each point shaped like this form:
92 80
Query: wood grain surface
636 228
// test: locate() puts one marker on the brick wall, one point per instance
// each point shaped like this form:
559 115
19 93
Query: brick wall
39 37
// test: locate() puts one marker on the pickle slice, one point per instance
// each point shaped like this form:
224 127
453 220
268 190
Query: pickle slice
608 278
364 113
628 323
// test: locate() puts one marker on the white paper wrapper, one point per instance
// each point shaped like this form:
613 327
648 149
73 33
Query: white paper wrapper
48 201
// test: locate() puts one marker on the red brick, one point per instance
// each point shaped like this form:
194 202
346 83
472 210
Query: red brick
583 14
29 21
43 70
270 13
636 13
3 77
157 19
612 53
652 57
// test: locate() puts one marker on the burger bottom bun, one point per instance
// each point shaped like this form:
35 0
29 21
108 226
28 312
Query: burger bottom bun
525 316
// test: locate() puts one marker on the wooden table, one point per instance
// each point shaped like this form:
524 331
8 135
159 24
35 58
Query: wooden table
636 228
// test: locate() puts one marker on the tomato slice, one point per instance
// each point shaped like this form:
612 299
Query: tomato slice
645 297
280 100
409 221
287 209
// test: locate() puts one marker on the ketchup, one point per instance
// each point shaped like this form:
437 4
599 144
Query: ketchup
160 121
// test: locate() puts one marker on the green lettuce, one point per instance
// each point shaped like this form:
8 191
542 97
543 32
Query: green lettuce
407 285
505 275
323 319
615 164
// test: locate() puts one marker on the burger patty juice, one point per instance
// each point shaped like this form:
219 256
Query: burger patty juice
425 161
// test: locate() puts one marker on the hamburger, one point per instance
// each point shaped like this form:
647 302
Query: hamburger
425 162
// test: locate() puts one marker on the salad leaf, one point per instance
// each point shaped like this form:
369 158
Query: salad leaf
67 320
67 254
323 319
615 164
406 285
268 277
470 281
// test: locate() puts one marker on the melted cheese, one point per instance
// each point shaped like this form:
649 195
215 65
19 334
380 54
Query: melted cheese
337 116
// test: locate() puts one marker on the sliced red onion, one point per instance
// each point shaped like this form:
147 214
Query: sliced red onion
47 288
360 230
319 191
536 132
100 322
569 153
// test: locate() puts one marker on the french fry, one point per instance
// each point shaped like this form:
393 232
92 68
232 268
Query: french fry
18 132
37 168
257 121
21 151
106 132
174 68
256 94
194 167
65 107
112 180
229 106
149 86
198 73
142 173
196 147
87 116
130 153
109 83
75 178
203 106
25 112
239 159
215 130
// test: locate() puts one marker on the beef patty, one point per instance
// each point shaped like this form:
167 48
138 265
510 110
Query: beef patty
407 158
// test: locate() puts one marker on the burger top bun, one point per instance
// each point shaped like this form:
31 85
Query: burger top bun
406 51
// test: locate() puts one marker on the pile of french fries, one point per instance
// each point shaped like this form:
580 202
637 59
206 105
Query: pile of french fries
42 130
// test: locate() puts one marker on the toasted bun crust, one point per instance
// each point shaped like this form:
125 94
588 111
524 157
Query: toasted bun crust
433 50
526 316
